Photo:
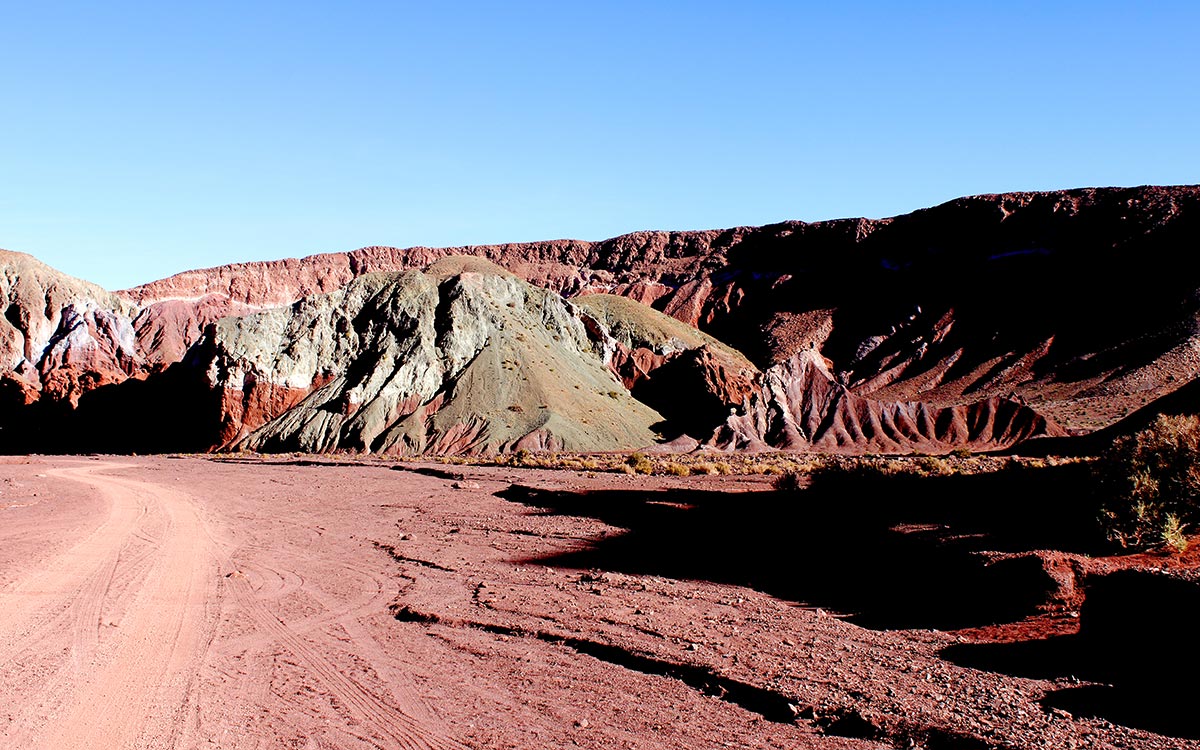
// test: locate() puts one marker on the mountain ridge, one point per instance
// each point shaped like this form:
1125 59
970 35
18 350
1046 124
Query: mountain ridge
1082 304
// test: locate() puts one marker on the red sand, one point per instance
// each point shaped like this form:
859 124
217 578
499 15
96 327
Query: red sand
158 602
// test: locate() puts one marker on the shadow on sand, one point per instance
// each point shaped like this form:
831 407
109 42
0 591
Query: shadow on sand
889 551
896 552
1136 636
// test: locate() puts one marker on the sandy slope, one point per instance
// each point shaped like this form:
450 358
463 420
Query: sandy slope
149 603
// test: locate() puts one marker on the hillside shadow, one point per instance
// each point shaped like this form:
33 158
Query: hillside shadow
890 552
173 411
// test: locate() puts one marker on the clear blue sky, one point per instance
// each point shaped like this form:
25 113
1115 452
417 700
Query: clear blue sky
141 139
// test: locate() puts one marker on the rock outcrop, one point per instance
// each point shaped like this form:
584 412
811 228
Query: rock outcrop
462 358
689 377
798 405
60 336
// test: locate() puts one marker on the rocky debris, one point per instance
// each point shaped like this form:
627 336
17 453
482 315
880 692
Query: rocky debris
701 620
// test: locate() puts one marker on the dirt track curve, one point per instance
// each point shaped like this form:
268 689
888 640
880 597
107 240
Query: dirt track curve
109 639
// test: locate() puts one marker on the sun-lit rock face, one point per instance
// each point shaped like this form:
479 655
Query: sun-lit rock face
1083 301
61 336
462 358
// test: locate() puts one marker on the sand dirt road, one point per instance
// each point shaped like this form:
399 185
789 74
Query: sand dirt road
104 636
109 638
192 603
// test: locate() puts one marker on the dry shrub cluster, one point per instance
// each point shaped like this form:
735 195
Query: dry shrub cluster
678 465
789 469
857 469
1150 484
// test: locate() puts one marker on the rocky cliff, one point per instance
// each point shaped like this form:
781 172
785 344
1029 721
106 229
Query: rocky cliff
461 358
981 322
60 336
1083 302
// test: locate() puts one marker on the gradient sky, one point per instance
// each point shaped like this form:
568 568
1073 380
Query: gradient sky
142 139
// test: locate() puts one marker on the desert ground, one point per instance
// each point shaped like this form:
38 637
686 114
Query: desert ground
195 602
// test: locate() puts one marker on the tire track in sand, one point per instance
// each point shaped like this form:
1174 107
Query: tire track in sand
71 585
392 723
135 693
153 568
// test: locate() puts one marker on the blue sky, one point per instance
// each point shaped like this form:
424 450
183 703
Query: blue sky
142 139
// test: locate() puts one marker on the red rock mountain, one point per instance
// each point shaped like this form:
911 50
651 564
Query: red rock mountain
982 321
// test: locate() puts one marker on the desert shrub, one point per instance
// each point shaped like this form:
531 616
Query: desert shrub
838 470
522 457
1150 483
961 452
1172 534
936 467
676 469
790 481
703 467
639 463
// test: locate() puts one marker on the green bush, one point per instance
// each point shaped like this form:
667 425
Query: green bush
1150 484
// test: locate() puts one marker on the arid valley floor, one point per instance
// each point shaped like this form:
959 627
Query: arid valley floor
247 603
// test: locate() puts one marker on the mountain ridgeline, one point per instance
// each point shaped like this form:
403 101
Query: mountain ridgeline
980 323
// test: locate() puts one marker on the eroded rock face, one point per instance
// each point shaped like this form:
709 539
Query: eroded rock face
463 358
797 405
166 329
61 336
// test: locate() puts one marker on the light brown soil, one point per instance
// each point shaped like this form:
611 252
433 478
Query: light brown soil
187 602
